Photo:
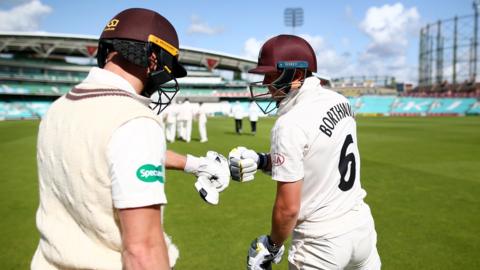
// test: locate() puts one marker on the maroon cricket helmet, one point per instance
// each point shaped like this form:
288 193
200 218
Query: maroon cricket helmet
284 48
144 25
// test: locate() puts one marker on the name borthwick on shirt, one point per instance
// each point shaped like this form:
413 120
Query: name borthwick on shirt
333 116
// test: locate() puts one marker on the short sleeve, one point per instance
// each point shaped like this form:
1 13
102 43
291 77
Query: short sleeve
288 142
136 154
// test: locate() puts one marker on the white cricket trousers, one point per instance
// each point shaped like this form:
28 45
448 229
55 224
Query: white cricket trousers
188 130
170 132
202 129
181 129
356 249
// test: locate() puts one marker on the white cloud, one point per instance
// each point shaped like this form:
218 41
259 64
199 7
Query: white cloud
252 47
197 26
329 62
389 28
24 17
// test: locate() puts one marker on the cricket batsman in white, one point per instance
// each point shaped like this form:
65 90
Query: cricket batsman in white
102 155
315 160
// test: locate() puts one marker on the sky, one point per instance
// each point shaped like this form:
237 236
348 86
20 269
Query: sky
350 38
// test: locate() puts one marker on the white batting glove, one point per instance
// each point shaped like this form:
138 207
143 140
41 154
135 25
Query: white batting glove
262 253
207 190
243 164
213 175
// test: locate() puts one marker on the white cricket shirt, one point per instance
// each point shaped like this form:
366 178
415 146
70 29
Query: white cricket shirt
202 114
315 139
253 112
185 111
136 151
237 111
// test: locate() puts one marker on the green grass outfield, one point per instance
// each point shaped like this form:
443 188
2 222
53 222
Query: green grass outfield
422 176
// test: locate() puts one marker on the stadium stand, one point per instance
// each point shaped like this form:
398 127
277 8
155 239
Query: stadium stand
363 85
15 110
33 88
451 106
474 109
37 69
411 106
373 105
365 105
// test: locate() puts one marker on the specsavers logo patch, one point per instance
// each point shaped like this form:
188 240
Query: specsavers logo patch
150 173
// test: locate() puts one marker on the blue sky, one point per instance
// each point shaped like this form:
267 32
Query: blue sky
356 37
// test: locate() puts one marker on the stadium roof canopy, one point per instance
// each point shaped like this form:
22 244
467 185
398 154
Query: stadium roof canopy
47 45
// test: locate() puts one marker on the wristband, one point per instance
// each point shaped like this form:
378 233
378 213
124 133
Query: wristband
262 161
191 165
272 247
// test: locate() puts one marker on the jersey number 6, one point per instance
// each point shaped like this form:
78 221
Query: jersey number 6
345 160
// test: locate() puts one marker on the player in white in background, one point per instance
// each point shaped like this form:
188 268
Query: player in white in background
315 160
253 112
184 119
178 126
238 114
102 155
202 122
189 109
170 121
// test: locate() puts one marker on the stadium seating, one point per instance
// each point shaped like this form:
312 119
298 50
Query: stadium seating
451 105
355 102
3 110
216 92
474 109
365 105
15 110
195 92
41 70
233 92
33 88
23 110
201 81
38 108
411 106
373 104
386 105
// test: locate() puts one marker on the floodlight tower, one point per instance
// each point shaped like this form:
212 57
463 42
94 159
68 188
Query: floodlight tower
476 6
293 17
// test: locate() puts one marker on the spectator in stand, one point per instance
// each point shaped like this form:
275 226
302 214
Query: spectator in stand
238 114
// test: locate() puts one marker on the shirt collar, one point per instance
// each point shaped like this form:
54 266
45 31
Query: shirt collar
102 78
310 86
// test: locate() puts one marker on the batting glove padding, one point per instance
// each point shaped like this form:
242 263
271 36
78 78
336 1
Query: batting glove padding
262 253
213 175
207 190
243 164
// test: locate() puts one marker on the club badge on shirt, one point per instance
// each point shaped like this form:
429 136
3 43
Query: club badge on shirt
277 159
150 173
